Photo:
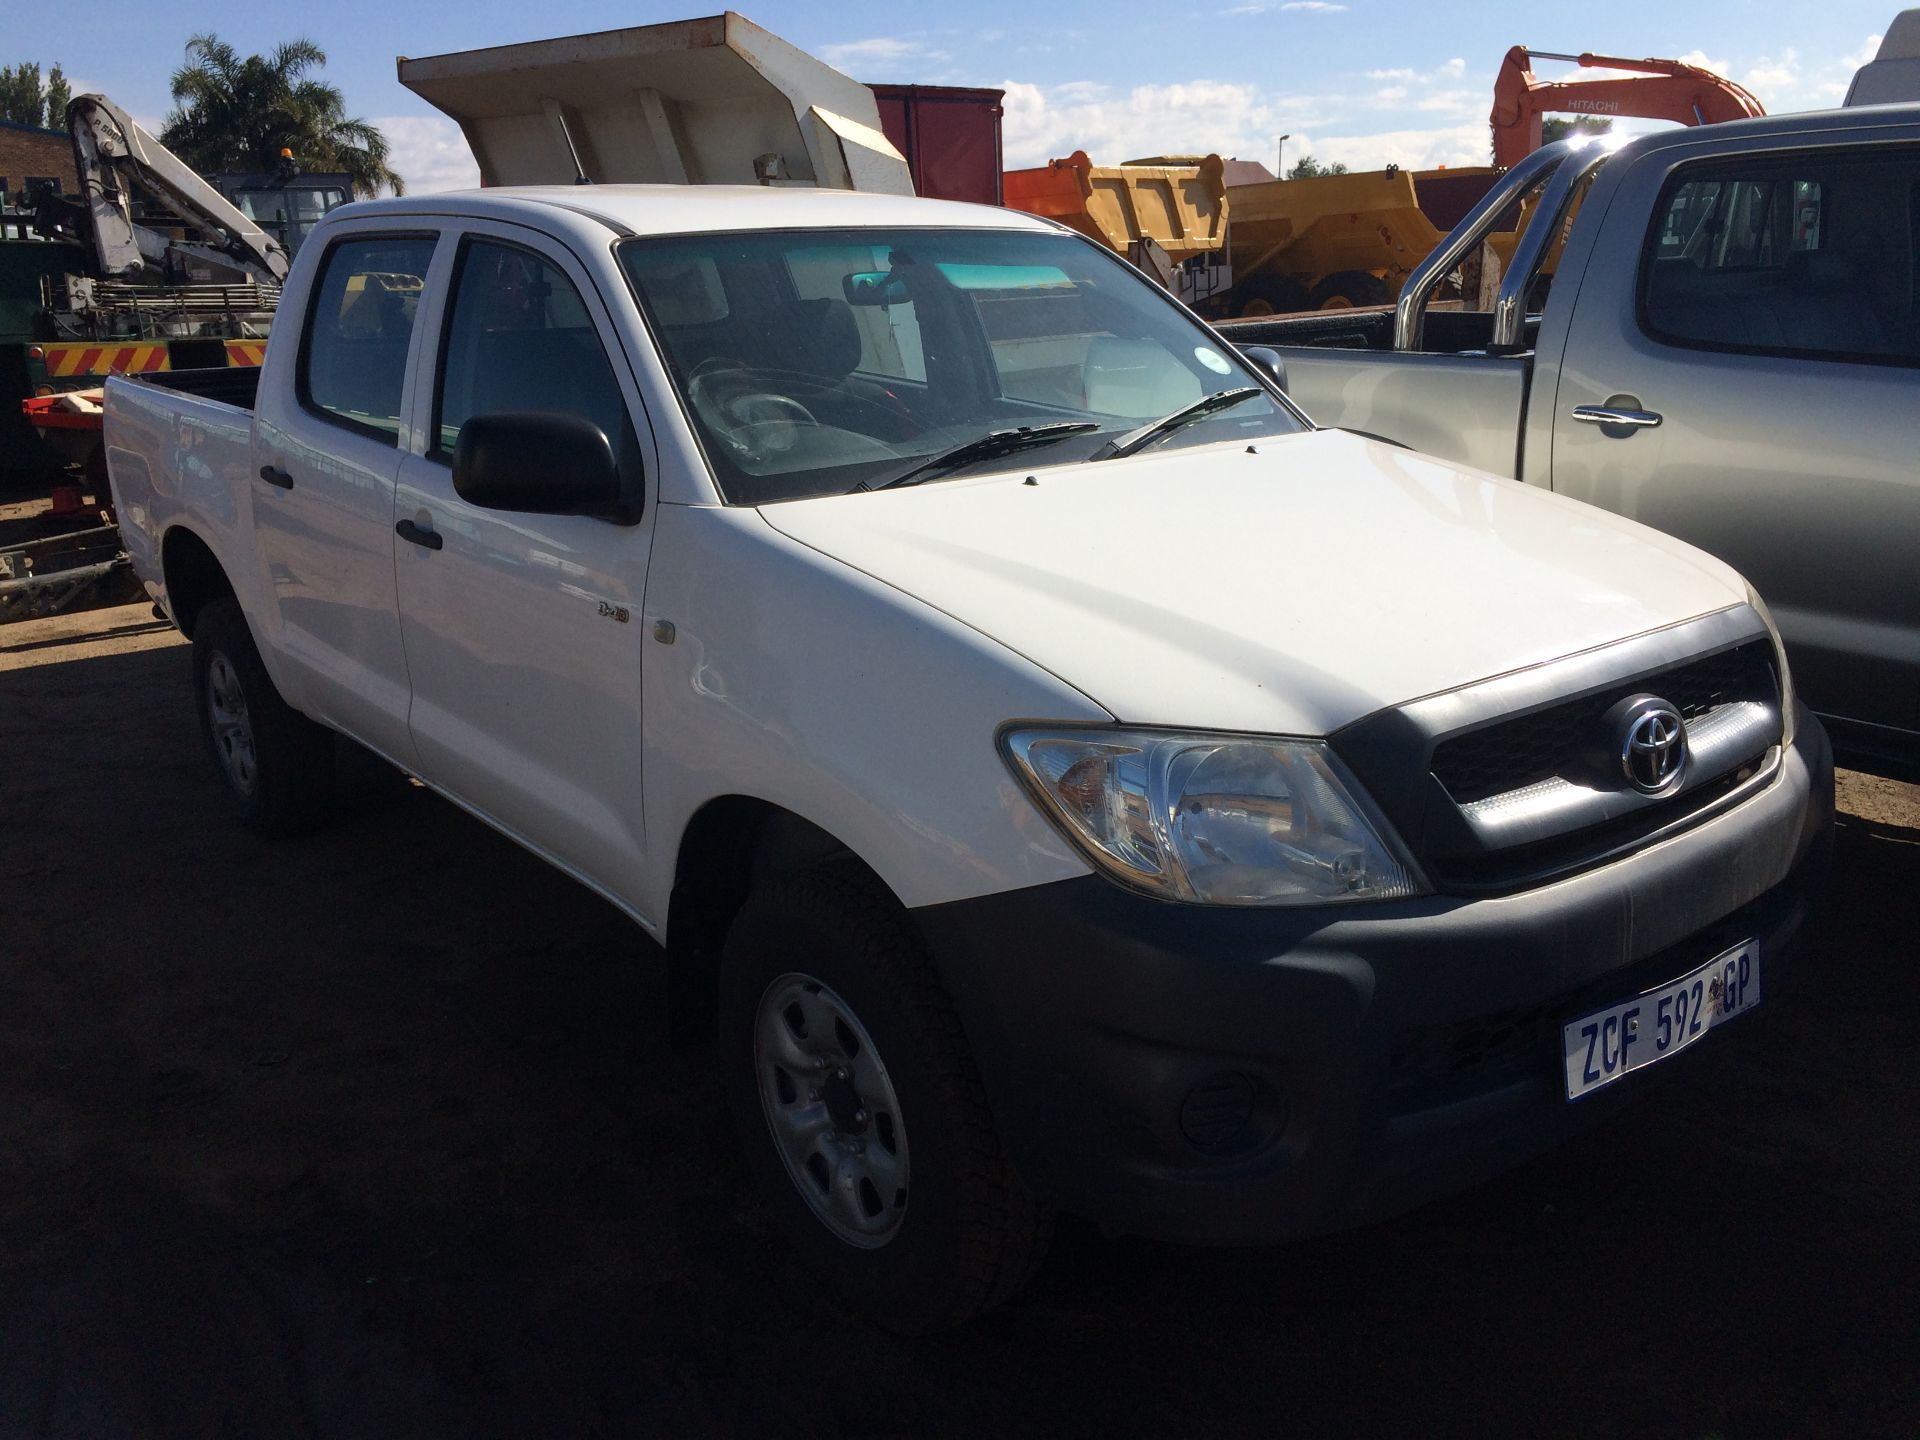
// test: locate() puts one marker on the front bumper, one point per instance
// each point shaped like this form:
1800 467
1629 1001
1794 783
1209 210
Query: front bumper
1380 1055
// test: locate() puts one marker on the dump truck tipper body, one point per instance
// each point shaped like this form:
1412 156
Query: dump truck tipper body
1167 215
713 101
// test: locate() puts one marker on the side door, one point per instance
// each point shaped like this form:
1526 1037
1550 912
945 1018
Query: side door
522 629
1772 324
326 454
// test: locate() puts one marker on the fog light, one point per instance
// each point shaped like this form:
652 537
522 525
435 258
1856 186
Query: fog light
1216 1110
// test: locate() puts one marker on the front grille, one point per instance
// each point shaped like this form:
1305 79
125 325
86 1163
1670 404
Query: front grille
1555 741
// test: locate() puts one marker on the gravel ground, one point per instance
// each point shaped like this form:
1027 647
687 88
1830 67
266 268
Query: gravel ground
377 1134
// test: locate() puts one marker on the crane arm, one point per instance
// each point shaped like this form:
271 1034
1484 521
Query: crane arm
112 155
1658 90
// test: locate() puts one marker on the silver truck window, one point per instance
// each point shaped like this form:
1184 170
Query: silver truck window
817 362
519 339
1813 255
353 356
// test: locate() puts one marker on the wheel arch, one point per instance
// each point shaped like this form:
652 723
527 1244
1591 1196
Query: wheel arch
730 845
193 576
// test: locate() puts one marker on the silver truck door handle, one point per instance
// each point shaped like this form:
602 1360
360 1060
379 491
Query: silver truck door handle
1607 415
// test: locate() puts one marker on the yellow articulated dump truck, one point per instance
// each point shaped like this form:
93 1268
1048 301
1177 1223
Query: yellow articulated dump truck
1168 215
1268 248
1335 241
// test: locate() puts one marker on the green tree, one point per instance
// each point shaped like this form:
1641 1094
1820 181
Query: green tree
1559 127
1307 168
59 96
26 100
239 114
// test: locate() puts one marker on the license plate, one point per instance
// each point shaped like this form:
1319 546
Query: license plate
1611 1043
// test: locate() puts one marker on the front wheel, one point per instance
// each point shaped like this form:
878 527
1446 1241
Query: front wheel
275 765
863 1118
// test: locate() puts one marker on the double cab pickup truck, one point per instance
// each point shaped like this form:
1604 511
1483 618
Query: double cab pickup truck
1059 775
1715 331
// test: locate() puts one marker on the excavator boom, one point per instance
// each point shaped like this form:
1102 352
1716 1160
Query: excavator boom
1657 90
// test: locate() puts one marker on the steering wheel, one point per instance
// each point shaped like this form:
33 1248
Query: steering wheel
763 423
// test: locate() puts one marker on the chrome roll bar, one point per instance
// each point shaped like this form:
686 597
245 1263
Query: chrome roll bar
1410 313
1510 308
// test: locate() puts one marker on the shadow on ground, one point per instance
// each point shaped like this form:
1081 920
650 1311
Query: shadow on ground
377 1133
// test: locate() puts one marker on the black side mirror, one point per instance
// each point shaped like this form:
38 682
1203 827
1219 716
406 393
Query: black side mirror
1267 361
541 463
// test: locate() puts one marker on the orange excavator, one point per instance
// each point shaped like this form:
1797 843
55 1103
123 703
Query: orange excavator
1657 90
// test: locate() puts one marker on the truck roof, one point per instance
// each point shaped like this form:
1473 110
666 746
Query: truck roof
695 209
1794 123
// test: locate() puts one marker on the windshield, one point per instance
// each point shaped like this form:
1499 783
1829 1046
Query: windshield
817 362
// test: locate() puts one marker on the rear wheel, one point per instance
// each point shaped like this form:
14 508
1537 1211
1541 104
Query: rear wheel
275 765
862 1116
1345 289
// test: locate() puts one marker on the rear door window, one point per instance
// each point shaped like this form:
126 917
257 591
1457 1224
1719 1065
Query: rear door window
1813 256
353 357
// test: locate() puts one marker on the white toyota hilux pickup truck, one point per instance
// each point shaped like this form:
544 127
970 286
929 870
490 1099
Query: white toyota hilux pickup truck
1060 776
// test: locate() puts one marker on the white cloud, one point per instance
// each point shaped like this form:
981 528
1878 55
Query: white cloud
429 153
880 50
1309 7
1426 149
1864 55
1046 122
1452 102
1774 74
1435 91
1704 61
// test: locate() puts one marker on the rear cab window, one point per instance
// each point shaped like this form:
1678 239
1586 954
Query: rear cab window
353 351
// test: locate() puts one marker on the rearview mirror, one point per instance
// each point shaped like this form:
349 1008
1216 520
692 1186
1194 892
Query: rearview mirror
874 287
539 463
1267 361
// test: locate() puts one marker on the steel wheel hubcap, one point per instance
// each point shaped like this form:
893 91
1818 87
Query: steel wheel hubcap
831 1109
232 728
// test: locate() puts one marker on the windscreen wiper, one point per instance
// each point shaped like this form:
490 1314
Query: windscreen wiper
986 447
1199 410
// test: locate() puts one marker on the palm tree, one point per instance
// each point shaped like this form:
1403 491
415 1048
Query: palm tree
239 114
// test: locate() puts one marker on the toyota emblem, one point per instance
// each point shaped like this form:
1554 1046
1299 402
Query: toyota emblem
1653 745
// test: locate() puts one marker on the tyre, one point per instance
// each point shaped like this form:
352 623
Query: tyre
861 1114
275 765
1344 289
1268 295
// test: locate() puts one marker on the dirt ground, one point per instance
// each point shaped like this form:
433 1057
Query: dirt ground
377 1134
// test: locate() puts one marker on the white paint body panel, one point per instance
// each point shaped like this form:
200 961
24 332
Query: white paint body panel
1289 591
851 659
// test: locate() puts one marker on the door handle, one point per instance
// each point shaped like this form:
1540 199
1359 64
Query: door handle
1608 415
409 531
276 477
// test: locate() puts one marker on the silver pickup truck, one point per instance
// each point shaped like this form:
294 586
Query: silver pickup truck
1715 331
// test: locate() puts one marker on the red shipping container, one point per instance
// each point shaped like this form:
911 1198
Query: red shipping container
950 136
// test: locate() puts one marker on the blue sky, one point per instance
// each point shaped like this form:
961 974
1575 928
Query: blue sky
1364 81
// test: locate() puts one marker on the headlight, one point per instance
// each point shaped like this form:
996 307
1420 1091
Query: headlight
1780 663
1217 819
